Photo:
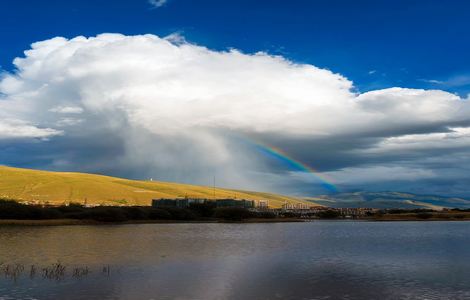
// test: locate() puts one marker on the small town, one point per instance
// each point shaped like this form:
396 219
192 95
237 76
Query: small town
302 210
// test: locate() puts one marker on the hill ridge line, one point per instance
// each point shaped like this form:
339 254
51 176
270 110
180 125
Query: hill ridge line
41 186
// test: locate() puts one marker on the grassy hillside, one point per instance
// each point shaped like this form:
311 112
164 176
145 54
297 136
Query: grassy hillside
64 187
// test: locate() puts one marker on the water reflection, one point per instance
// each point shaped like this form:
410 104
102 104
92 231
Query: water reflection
318 260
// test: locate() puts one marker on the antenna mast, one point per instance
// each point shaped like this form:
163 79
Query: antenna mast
213 187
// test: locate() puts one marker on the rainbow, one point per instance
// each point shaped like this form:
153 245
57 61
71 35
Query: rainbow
294 164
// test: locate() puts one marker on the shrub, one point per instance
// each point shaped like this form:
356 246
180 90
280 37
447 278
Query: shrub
181 213
264 215
232 213
205 210
329 214
107 214
396 211
71 208
136 213
10 209
290 214
159 214
423 215
79 215
50 213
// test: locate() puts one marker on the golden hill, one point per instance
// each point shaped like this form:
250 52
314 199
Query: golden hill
65 187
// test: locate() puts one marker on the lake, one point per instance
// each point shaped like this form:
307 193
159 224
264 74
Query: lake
313 260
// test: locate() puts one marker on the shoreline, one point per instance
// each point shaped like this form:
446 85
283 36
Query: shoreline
75 222
70 222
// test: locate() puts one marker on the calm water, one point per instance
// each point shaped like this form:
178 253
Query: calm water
318 260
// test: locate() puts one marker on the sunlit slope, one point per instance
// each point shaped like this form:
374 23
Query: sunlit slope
65 187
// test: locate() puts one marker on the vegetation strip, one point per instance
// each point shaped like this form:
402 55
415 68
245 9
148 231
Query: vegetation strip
14 213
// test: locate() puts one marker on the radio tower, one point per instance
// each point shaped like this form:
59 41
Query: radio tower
213 187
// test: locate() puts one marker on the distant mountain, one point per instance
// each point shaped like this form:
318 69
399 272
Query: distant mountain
389 200
38 186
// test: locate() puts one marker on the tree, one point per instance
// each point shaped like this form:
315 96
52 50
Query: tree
232 213
329 214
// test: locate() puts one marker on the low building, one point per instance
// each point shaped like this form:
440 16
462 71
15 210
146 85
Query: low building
187 202
235 203
159 203
295 206
262 204
178 202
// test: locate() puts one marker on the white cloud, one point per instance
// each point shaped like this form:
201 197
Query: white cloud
157 3
67 109
453 81
456 137
373 174
166 87
433 81
68 122
176 101
16 129
399 108
176 38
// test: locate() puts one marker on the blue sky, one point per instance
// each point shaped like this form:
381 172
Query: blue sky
377 44
371 94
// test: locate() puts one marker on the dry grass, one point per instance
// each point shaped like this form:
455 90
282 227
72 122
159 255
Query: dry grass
66 187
